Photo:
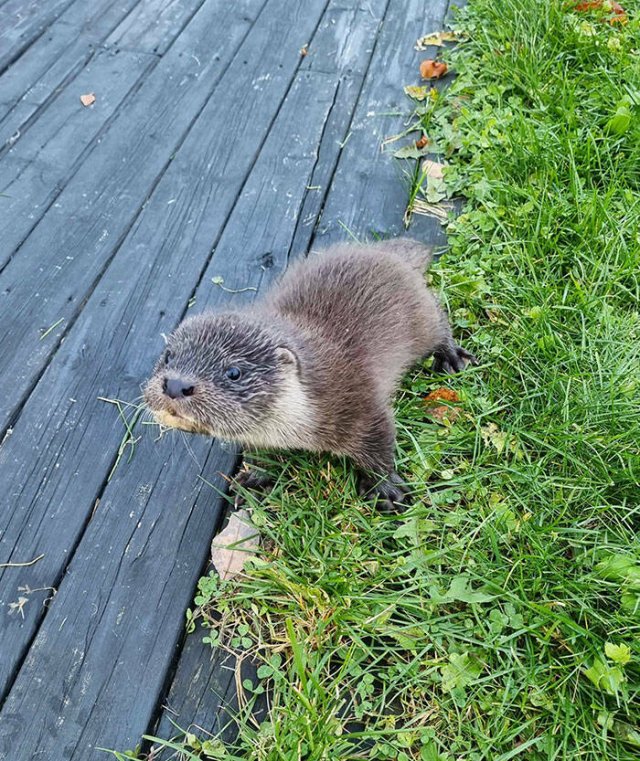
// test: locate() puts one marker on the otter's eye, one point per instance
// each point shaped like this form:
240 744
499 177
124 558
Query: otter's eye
233 373
167 356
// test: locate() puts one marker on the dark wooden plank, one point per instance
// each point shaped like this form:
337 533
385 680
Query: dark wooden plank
144 546
82 230
151 26
52 61
352 36
203 698
56 57
369 194
21 22
38 166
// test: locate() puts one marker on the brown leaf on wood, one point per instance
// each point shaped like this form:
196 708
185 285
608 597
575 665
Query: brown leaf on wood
442 413
431 69
304 50
234 545
422 142
88 99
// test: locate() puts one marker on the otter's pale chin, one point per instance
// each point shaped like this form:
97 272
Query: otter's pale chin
168 420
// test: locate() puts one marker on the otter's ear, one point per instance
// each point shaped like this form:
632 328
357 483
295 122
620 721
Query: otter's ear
286 357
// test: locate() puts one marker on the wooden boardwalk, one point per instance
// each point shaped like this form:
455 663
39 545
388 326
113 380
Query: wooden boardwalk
213 149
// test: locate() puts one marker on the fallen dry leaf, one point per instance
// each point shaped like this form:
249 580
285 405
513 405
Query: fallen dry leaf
435 38
432 169
501 441
619 14
431 69
494 437
234 545
422 142
417 92
88 99
412 151
304 50
437 210
442 412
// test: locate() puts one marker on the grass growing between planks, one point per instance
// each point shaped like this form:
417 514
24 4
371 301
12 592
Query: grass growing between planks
499 617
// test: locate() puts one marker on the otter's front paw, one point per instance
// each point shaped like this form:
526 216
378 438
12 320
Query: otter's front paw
388 494
452 359
249 479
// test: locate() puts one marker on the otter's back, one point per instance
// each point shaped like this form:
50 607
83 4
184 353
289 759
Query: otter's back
370 299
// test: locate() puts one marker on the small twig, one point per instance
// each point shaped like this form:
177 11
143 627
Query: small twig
219 282
22 565
349 232
129 423
53 327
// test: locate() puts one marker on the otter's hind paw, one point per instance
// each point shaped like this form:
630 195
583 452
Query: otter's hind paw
249 479
452 359
388 494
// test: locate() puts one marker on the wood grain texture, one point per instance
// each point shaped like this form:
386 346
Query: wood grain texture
52 60
42 463
368 194
58 55
39 165
153 24
23 21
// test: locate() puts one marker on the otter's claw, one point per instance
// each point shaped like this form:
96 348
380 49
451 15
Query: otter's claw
388 494
249 479
452 359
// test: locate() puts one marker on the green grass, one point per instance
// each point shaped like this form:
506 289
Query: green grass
499 617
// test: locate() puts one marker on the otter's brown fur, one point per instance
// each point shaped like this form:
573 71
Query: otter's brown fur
318 357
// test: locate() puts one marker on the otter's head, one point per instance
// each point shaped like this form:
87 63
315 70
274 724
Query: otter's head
224 375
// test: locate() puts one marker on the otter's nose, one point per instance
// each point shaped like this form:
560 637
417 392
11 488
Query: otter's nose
174 388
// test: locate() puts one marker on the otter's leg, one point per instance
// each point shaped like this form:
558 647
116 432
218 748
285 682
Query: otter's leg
374 457
448 357
250 478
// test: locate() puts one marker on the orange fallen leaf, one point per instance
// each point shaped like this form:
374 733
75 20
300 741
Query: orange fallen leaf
588 6
304 50
442 412
431 69
88 99
619 14
422 142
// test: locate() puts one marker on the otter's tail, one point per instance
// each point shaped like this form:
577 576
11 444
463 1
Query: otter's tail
418 255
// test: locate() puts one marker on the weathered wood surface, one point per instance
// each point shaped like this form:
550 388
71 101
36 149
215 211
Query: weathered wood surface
215 151
55 59
22 22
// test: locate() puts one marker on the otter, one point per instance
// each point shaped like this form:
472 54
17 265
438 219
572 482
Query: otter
314 363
